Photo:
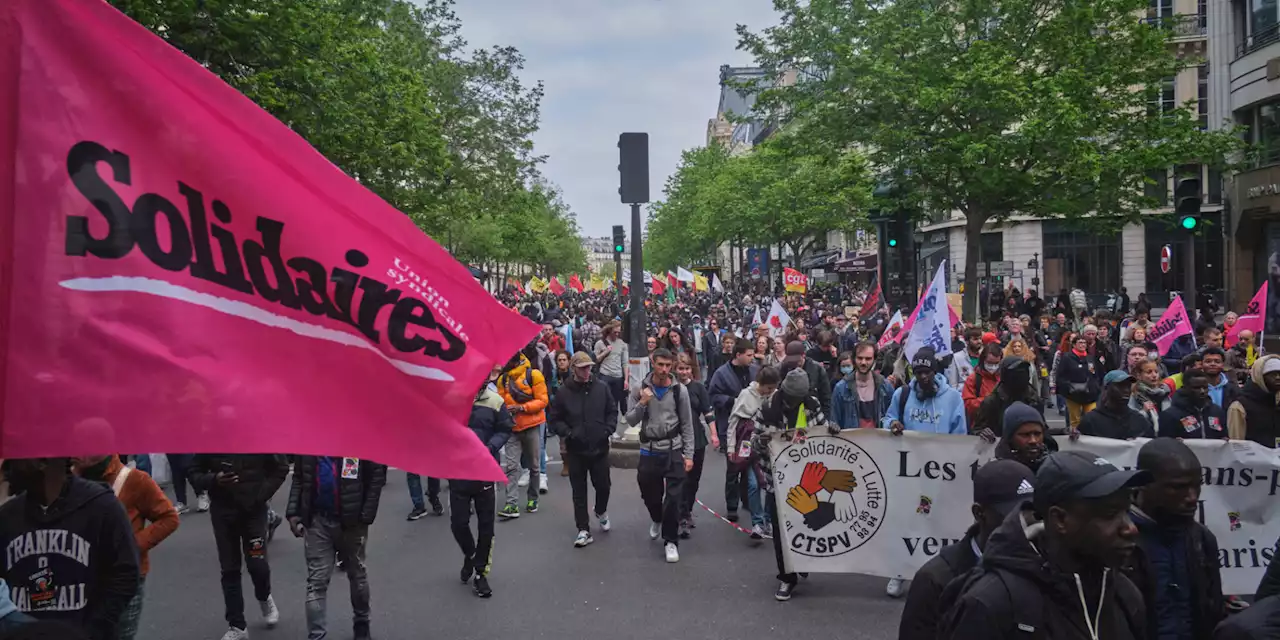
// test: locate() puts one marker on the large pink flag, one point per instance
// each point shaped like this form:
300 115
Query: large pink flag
1254 317
1172 324
179 272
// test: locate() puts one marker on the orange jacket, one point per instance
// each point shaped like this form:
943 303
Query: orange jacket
534 412
979 385
144 502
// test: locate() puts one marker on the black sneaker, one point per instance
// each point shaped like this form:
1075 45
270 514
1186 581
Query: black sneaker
417 513
732 516
437 509
467 570
481 587
784 592
362 631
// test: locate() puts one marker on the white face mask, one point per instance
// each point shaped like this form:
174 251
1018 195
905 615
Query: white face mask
991 368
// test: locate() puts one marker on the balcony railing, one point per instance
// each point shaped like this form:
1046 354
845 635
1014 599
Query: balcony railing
1259 40
1183 26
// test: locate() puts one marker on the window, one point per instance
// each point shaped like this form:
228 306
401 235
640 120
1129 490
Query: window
1078 258
1214 186
1267 133
1202 13
1163 230
1262 25
1162 99
1160 10
1202 96
1157 186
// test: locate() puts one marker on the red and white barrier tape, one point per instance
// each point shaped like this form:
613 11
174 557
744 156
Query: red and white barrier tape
729 522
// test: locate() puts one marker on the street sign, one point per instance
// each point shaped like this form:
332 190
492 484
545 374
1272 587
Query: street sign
1002 269
1166 258
982 269
817 273
1017 273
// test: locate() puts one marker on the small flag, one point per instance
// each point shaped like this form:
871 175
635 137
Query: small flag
931 328
575 283
1173 323
778 320
794 280
1254 318
716 286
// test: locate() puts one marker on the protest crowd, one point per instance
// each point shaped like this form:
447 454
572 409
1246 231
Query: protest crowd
1061 542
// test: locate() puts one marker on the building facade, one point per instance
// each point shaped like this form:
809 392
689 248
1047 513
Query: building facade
600 255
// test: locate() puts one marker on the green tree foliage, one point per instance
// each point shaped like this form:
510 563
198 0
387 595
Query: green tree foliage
989 108
783 192
388 91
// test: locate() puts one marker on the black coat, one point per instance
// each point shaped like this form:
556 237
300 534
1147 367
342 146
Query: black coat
357 497
923 610
1073 369
1205 590
1102 422
1184 420
585 415
1259 622
260 477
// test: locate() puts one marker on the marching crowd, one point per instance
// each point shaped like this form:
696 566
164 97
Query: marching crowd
1063 544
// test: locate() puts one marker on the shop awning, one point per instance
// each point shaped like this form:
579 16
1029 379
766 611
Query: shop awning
862 263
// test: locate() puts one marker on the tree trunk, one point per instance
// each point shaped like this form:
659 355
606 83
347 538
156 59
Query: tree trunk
972 241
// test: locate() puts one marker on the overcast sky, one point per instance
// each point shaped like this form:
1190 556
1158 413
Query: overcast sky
611 66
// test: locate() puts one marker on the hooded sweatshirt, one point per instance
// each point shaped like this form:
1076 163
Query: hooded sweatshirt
990 414
747 407
75 561
1016 584
942 413
1018 414
1254 416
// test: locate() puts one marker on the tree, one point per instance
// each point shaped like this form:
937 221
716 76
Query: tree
988 108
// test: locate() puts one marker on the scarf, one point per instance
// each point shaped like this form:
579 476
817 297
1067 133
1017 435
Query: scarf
1082 354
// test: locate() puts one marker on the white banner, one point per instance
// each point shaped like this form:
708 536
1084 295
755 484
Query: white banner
907 496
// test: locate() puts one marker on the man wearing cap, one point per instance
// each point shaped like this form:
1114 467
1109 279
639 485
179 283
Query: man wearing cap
1113 418
819 381
928 403
999 488
582 414
1057 577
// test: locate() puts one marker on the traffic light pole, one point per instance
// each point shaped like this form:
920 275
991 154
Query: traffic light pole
638 346
1190 277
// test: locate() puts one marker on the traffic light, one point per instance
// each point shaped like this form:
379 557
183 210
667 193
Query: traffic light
1186 198
892 241
619 239
633 167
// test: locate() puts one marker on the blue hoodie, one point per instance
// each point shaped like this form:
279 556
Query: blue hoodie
943 413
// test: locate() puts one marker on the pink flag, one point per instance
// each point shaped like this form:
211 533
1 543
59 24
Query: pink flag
1172 324
1254 318
180 272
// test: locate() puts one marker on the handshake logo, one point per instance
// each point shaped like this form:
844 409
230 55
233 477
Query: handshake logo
835 496
836 485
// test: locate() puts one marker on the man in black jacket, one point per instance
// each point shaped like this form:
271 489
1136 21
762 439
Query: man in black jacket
1113 418
1175 564
1057 578
581 415
492 424
726 385
1192 413
239 488
332 502
999 488
69 549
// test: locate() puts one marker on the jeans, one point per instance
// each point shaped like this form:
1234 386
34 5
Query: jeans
1061 403
325 539
128 627
483 495
240 534
743 486
783 576
415 490
616 389
661 476
691 483
142 462
527 440
581 466
178 465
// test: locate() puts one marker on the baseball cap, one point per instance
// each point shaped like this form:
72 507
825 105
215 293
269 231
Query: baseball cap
1113 377
988 338
1003 485
581 359
1070 475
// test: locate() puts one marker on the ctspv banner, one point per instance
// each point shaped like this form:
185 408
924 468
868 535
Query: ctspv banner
891 503
180 272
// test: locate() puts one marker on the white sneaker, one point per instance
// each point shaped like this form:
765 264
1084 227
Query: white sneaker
524 478
270 613
604 522
673 552
655 530
236 634
895 588
202 502
584 538
542 483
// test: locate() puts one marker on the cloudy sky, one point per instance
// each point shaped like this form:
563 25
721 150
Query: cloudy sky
611 66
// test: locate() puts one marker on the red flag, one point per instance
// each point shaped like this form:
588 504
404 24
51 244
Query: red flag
556 287
673 281
872 303
659 287
279 306
575 283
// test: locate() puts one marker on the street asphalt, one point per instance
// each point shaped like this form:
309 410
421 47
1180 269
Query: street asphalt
619 588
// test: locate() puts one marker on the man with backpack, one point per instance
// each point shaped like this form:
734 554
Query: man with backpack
660 407
1051 569
524 390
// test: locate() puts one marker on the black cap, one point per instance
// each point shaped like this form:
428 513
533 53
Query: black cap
1072 475
1003 485
925 358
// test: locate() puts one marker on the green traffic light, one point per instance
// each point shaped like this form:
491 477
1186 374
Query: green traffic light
893 242
1189 223
617 248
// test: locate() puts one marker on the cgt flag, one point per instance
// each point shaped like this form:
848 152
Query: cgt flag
794 280
182 272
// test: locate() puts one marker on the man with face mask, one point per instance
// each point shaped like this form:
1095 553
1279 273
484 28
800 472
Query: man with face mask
1014 386
582 415
928 403
1254 415
1192 413
1050 570
861 398
88 572
1175 564
1113 418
